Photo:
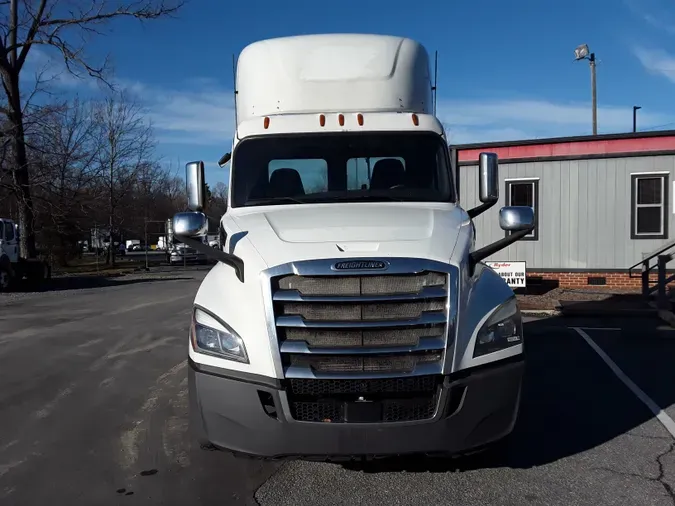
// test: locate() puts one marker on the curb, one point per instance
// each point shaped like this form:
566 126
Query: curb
598 313
593 313
540 312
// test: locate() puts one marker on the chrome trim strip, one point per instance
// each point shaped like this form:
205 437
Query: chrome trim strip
322 267
297 372
429 292
266 287
298 321
396 266
425 344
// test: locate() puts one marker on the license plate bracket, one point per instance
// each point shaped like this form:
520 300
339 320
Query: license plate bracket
363 412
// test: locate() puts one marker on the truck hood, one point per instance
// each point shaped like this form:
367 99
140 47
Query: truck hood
283 234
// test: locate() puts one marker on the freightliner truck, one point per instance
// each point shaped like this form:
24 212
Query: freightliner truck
349 314
15 270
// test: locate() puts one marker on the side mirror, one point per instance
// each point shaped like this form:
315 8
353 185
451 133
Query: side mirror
196 189
488 182
190 224
224 159
516 218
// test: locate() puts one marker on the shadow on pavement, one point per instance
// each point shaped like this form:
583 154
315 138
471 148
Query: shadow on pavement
571 401
91 281
615 305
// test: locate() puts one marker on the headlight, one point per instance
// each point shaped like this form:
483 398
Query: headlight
212 337
502 330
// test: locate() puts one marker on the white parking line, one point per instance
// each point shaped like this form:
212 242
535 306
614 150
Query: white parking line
661 415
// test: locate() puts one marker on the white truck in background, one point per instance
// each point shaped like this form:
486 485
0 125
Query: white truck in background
349 313
14 269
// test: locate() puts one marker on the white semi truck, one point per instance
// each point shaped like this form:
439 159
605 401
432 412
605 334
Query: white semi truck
349 313
14 269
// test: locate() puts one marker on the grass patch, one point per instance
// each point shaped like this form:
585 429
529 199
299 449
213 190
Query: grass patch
89 266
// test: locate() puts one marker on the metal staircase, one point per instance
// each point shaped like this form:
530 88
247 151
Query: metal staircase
663 255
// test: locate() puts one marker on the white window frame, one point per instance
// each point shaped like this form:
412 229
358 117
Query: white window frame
663 205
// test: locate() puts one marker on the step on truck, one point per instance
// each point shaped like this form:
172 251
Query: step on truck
349 314
15 270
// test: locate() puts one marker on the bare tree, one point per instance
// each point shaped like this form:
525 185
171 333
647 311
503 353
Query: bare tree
65 26
220 191
127 148
64 167
218 202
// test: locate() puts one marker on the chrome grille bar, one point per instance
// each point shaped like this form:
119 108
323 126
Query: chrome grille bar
298 321
425 344
296 296
308 373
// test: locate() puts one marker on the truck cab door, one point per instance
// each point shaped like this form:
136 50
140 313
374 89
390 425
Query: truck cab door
10 245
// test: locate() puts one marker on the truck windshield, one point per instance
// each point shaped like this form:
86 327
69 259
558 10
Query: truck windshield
341 167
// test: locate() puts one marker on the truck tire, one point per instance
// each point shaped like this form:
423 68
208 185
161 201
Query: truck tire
37 272
5 274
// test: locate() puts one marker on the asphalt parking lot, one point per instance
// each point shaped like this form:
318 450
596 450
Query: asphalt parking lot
93 411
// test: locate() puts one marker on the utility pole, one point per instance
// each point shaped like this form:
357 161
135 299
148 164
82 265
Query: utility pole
145 246
635 110
591 60
583 53
111 221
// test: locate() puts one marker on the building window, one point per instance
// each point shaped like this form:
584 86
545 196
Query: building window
525 192
649 206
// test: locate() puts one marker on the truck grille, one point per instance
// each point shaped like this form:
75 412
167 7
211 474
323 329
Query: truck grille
359 348
388 399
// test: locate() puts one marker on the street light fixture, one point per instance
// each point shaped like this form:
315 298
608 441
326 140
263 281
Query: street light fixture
635 110
583 53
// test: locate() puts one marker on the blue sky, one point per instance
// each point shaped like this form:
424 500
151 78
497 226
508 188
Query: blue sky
506 68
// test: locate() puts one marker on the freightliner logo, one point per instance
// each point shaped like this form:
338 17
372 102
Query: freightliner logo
361 265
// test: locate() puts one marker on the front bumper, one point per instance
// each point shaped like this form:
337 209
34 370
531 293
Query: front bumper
475 408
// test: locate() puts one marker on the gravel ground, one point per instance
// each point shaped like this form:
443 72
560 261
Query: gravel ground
549 299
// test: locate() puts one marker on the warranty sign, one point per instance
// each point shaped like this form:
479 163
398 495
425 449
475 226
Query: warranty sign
514 273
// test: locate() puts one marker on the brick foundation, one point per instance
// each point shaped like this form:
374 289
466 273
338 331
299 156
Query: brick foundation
580 279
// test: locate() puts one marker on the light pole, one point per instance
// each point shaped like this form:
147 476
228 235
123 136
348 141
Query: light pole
635 110
583 53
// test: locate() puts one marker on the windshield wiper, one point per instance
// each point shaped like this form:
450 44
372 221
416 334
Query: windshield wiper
274 200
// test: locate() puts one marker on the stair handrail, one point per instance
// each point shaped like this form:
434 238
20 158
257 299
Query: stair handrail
649 256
